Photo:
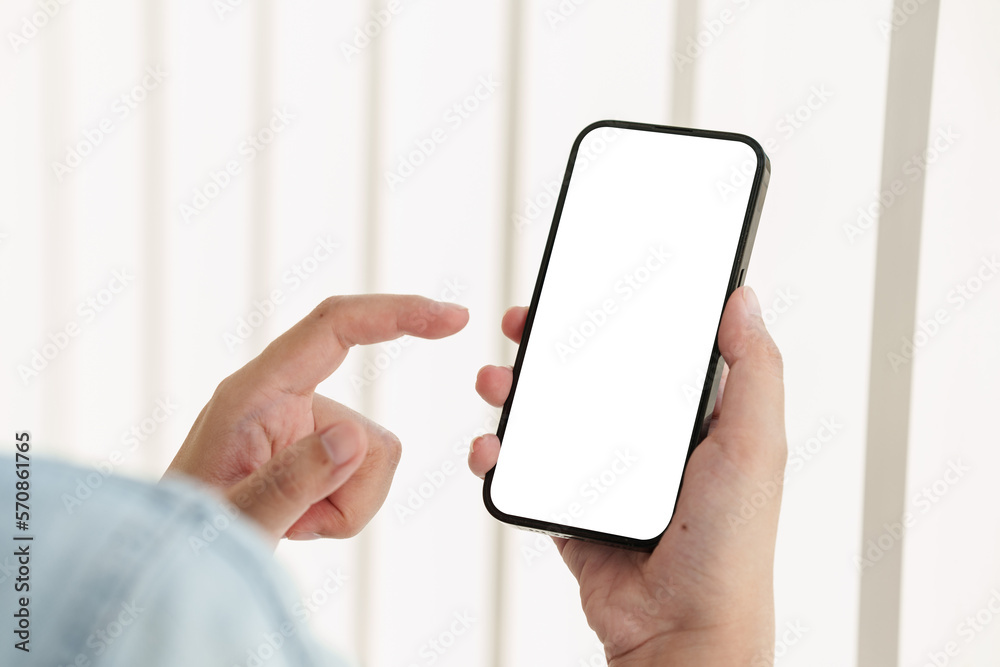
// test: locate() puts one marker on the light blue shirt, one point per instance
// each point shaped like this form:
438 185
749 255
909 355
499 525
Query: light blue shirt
125 573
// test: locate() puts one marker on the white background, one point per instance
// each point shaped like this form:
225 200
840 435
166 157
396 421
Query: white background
163 337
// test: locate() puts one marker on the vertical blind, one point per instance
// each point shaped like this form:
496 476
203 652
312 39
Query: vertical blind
180 182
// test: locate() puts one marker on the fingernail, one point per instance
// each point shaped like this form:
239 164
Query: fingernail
303 537
750 298
472 445
457 307
340 445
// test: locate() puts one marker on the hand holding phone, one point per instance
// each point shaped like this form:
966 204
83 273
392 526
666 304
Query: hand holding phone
704 596
618 368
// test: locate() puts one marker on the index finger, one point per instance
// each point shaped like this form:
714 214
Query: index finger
310 351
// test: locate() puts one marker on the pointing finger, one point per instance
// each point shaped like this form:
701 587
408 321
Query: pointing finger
310 351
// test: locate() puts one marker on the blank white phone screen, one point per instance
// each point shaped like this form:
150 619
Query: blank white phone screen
608 391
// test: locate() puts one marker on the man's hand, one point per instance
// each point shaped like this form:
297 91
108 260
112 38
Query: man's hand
705 595
297 462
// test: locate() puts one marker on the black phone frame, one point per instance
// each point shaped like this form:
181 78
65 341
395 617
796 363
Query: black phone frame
706 405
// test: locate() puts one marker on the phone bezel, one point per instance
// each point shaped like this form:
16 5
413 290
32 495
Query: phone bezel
710 388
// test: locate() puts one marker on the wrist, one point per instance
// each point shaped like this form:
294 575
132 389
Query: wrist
715 648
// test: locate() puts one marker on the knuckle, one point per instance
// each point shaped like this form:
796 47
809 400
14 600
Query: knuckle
333 309
331 302
351 523
228 393
393 448
329 305
774 358
768 355
385 446
225 388
417 321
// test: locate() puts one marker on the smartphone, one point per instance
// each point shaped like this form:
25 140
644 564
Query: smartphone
617 371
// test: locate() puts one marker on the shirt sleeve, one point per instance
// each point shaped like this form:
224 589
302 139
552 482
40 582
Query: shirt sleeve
125 573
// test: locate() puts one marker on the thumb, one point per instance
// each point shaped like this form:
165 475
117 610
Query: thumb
752 415
278 493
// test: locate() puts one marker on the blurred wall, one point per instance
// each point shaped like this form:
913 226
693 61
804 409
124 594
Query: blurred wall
180 182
